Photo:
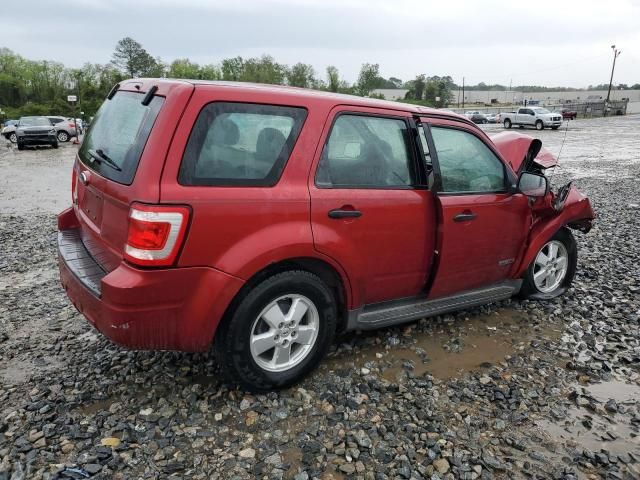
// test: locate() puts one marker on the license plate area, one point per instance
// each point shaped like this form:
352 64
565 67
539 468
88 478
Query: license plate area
91 205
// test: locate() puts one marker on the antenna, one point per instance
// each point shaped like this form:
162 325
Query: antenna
559 152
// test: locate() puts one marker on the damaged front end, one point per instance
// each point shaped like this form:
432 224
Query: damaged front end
526 154
566 207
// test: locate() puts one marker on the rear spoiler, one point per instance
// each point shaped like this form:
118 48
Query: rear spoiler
145 101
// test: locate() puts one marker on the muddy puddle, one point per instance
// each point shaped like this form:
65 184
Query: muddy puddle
453 350
590 425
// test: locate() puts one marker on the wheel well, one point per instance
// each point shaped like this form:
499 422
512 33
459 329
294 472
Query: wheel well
322 269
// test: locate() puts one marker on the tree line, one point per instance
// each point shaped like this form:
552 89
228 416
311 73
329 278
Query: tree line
29 87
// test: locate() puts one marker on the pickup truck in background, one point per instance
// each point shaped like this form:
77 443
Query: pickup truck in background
532 116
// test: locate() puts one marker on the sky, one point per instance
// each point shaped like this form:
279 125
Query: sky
541 42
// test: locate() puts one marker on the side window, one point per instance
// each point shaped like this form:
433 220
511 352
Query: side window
466 163
367 152
240 144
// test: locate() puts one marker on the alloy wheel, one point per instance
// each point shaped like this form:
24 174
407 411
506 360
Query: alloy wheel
550 267
284 333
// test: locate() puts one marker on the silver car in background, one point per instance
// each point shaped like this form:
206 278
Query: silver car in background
65 127
9 131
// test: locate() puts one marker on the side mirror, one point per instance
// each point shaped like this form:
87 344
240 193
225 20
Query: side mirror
533 185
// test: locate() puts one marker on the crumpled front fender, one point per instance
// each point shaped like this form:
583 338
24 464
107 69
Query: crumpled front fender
576 213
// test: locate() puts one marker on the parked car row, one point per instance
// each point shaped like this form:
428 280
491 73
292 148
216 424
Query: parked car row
65 128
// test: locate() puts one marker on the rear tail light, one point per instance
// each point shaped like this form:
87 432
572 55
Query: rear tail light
155 234
72 125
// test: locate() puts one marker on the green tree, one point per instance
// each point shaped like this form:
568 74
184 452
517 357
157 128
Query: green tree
367 79
416 88
232 69
210 72
184 68
263 70
301 75
397 83
132 59
333 78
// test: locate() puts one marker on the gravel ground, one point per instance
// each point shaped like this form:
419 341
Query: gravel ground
510 390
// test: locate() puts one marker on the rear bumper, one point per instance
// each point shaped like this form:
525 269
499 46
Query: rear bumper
159 309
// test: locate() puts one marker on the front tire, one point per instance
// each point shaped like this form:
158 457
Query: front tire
54 144
552 270
278 333
539 125
20 146
507 123
13 138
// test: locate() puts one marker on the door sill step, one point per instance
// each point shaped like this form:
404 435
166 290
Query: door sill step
371 317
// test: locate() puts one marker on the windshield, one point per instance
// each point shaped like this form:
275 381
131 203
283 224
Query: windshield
541 110
34 122
118 134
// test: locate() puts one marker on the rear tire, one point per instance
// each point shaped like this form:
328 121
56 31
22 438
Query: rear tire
251 344
63 136
544 281
539 125
507 123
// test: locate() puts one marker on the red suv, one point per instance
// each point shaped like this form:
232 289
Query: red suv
260 220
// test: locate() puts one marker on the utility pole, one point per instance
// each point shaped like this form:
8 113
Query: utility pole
463 93
616 54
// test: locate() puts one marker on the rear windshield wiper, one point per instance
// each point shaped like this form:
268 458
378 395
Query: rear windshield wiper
100 156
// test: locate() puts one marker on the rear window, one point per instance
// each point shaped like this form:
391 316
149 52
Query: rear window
240 144
119 131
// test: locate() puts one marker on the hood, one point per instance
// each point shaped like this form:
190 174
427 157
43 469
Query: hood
35 128
521 151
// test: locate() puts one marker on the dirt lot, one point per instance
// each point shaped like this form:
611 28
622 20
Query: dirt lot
511 390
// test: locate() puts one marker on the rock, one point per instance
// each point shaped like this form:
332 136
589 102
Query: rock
611 406
92 468
110 442
347 468
273 459
247 453
441 465
35 435
362 439
41 443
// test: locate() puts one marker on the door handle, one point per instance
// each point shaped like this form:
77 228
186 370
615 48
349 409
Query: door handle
465 216
344 213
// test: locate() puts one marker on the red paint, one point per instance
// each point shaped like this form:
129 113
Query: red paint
514 147
235 232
